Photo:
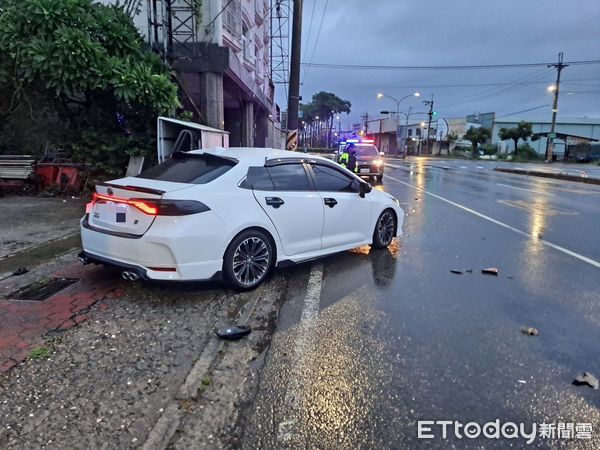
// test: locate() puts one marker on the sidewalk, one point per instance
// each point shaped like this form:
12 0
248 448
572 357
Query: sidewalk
582 173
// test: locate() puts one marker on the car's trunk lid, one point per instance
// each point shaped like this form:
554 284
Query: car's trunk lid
125 205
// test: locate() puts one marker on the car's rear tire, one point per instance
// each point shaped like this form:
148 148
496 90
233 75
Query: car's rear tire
248 260
379 178
385 228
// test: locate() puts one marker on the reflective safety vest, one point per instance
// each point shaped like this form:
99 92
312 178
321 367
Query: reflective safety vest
344 158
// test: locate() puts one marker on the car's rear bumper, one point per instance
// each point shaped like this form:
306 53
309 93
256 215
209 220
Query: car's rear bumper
164 253
369 170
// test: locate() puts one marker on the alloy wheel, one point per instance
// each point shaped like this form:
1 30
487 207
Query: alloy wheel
385 228
250 261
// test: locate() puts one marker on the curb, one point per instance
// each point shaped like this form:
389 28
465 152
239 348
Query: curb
557 176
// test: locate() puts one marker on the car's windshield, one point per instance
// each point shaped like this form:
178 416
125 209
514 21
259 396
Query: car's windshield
366 151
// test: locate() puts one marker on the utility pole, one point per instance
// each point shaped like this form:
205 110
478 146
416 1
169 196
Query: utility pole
294 90
430 114
550 142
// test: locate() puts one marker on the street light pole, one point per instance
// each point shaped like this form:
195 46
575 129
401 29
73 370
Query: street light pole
380 95
550 142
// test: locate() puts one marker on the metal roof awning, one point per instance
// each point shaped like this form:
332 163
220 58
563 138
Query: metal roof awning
565 136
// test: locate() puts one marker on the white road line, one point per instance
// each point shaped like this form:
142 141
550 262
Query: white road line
392 166
522 189
303 343
502 224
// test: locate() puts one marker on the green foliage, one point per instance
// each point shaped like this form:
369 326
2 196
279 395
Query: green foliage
38 353
522 131
85 66
452 137
477 136
527 153
489 149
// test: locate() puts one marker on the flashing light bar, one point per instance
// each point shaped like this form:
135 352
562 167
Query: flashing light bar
352 140
368 141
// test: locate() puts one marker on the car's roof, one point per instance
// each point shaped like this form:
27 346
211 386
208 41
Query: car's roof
255 155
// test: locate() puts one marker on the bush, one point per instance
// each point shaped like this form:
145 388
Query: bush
526 153
489 149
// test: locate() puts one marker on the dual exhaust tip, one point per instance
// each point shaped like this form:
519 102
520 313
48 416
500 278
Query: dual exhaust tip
129 275
126 274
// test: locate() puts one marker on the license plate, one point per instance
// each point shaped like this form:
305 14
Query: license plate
365 170
120 213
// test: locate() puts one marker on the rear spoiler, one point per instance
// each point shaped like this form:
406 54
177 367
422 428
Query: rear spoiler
133 188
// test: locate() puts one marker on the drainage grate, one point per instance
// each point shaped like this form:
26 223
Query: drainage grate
42 289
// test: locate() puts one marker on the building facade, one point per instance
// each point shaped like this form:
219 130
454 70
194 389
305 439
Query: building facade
220 50
569 130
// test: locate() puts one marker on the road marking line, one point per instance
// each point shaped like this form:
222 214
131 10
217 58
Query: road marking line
502 224
286 429
522 189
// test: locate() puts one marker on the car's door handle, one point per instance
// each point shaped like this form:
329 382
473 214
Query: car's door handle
331 202
275 202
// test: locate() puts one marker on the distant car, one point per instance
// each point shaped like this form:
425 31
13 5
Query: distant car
369 161
238 213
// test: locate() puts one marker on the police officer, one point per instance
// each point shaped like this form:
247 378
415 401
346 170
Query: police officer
345 157
352 163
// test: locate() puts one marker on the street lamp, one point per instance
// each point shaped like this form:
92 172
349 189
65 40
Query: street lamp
380 95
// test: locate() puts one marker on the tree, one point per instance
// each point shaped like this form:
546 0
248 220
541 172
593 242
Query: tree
477 136
86 62
326 105
522 131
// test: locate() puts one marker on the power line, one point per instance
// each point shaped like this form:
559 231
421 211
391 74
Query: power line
447 67
318 34
524 110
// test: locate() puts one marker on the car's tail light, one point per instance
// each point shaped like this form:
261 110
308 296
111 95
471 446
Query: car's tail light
157 207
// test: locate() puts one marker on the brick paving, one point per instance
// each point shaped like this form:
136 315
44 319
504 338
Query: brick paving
23 324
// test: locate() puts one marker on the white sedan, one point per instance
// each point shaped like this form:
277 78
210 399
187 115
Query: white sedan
234 213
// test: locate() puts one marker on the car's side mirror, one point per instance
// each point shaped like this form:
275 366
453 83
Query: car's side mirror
381 154
364 188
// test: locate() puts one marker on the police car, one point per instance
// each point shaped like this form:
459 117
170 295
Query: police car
368 159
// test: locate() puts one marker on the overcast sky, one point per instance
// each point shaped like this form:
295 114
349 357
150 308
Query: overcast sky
457 32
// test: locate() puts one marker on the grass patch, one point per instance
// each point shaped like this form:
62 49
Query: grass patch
38 353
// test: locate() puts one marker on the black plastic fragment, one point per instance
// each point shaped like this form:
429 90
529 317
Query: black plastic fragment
233 333
458 272
20 271
586 379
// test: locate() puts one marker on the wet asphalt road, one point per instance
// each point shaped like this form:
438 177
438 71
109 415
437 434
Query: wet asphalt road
370 342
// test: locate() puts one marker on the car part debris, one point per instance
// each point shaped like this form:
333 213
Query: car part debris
530 331
490 271
586 379
469 270
233 333
20 271
458 272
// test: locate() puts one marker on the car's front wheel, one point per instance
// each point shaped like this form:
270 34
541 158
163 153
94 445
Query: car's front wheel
385 228
248 260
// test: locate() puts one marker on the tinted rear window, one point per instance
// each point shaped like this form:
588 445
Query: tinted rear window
188 168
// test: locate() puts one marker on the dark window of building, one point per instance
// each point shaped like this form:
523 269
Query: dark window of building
418 132
289 177
410 131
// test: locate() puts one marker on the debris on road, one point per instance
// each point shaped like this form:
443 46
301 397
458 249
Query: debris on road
20 271
586 379
522 381
530 331
233 333
490 271
469 270
458 272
